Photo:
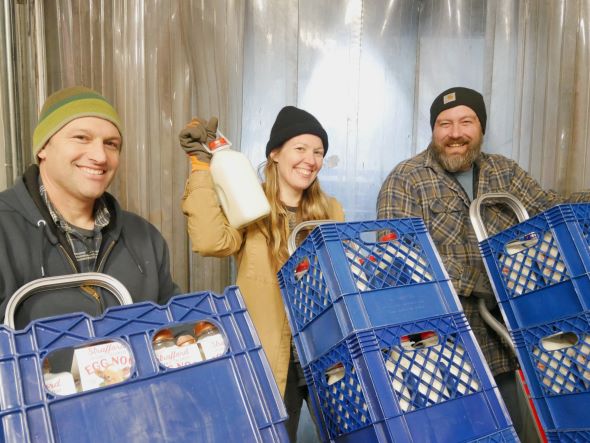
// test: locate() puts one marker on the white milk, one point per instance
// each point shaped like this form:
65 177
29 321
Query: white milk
61 383
240 194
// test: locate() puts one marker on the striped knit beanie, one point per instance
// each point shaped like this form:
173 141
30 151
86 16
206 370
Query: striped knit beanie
69 104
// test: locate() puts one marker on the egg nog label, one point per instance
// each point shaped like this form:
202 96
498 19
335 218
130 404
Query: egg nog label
60 384
102 365
212 345
178 356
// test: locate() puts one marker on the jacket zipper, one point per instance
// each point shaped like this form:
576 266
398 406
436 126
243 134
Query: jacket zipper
105 255
68 258
99 268
87 289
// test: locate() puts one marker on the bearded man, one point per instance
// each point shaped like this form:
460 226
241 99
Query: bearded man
438 186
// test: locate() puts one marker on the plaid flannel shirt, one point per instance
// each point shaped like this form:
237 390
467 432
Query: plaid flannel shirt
420 187
85 247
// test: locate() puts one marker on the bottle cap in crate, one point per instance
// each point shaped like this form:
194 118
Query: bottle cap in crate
302 267
163 335
388 237
185 339
202 327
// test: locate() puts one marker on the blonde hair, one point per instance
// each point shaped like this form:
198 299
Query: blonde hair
313 206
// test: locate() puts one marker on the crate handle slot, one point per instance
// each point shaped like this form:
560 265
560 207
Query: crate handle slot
334 373
500 197
89 366
419 340
561 340
378 236
65 281
522 243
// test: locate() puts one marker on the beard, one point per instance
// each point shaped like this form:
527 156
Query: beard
456 162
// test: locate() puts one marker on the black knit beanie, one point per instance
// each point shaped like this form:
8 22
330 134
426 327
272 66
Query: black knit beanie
291 122
456 97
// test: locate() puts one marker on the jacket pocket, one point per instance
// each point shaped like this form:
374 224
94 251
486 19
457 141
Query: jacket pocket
448 218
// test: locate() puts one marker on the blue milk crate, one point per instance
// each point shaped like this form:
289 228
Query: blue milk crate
539 267
340 281
559 376
421 381
229 398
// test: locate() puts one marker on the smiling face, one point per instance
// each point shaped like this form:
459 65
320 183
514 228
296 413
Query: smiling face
457 138
298 161
80 160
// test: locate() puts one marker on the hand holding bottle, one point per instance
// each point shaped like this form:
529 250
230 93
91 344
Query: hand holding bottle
195 137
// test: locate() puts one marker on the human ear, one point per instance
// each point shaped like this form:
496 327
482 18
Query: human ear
41 154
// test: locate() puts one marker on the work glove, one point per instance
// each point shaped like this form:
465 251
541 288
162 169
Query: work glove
483 289
194 139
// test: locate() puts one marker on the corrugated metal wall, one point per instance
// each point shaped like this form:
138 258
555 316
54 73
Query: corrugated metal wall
367 69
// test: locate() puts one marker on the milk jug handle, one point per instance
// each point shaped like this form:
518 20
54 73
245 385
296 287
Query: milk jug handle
293 236
499 197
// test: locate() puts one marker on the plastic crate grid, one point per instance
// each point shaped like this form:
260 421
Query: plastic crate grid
431 373
368 265
235 394
310 295
582 214
540 267
341 280
561 372
381 380
558 376
504 436
528 257
568 437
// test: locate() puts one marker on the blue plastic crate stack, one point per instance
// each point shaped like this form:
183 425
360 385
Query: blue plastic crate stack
232 397
384 344
540 272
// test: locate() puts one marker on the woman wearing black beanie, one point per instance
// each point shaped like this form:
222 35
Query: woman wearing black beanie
294 156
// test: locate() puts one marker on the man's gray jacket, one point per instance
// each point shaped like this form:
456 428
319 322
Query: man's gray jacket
132 251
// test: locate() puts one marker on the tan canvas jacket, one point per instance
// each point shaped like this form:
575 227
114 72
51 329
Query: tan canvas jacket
211 235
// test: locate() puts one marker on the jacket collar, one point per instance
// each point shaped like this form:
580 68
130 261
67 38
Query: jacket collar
35 208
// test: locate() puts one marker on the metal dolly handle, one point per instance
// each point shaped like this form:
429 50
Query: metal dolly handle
65 281
293 236
481 234
500 197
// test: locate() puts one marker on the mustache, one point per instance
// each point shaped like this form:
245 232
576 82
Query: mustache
451 140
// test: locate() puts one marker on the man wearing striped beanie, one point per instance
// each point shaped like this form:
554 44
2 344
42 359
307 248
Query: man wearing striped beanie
58 218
